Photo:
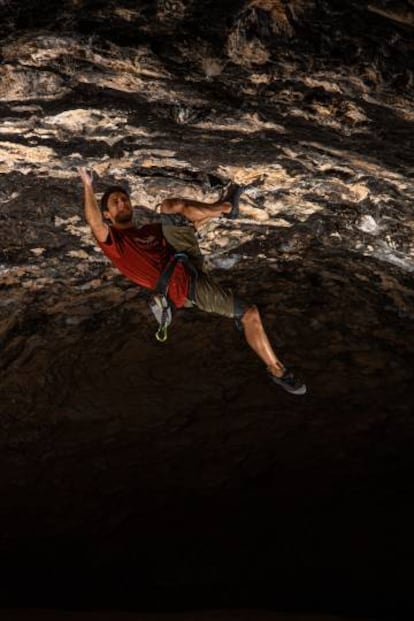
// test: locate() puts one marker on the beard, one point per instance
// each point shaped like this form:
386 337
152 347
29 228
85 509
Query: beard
124 217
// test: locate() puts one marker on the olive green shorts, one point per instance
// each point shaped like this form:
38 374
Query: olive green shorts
207 294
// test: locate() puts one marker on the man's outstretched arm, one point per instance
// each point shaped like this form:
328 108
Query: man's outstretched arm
92 212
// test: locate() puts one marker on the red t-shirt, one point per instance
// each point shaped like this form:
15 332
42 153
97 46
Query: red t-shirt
142 254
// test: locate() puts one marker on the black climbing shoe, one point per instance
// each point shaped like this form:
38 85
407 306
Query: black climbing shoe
232 194
289 382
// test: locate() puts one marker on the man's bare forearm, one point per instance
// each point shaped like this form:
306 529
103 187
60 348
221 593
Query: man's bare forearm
92 212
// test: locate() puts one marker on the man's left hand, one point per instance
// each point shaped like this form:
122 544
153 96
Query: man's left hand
86 176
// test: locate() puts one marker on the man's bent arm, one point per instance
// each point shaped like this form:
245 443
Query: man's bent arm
92 212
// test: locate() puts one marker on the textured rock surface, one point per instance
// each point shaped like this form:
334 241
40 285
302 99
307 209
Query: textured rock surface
178 467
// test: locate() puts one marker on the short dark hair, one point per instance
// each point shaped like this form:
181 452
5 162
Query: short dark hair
108 192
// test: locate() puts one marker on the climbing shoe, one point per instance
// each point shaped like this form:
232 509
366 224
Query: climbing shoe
232 194
289 382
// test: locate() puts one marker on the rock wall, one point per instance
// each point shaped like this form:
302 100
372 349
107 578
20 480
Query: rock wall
156 476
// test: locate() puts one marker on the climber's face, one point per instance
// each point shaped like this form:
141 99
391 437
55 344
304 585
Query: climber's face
119 208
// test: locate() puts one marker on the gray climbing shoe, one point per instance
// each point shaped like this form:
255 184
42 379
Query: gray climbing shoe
289 382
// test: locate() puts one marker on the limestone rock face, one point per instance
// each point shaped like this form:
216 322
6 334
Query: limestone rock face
178 466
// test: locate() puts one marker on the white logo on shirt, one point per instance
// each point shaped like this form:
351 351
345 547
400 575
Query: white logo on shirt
146 241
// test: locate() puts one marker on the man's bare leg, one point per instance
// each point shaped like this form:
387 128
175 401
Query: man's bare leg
255 335
197 212
258 341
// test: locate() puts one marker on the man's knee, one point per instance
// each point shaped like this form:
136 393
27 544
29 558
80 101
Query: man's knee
171 205
251 315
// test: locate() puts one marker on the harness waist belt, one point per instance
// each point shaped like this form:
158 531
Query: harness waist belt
164 279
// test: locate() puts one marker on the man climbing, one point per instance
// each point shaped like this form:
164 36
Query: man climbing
144 254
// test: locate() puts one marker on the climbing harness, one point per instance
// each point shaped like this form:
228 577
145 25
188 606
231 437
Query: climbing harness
160 304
